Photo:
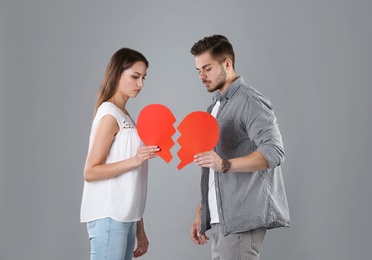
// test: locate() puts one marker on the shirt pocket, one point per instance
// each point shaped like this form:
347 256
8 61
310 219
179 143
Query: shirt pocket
228 133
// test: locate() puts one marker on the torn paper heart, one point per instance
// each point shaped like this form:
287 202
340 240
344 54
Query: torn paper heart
199 133
155 127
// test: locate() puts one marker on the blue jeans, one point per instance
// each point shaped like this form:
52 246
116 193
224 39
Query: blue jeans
111 240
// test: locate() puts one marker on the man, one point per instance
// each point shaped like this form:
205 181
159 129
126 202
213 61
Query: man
242 187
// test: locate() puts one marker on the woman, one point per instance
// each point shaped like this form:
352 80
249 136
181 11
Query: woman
115 170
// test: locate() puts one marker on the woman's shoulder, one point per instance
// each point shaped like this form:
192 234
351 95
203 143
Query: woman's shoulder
108 108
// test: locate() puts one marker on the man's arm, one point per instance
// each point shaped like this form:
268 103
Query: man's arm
196 237
249 163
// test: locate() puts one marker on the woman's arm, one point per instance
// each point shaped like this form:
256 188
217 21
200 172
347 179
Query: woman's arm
104 134
142 242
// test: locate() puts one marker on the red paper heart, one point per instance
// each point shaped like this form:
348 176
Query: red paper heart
155 127
199 133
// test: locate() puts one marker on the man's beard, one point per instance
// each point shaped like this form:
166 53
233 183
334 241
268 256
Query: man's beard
220 81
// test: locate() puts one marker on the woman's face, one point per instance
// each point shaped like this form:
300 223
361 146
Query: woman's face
132 80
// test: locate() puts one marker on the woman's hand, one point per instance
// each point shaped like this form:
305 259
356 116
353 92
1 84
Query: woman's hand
142 242
145 153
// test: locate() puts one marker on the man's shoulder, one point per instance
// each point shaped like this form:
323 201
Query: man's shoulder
248 92
251 95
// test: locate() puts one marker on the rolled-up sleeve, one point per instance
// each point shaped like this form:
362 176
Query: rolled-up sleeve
263 130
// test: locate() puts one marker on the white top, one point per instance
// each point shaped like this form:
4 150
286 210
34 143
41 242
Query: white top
123 197
212 201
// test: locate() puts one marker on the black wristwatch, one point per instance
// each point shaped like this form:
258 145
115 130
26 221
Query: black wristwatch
226 164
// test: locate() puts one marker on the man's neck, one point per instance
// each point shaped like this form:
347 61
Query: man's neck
229 80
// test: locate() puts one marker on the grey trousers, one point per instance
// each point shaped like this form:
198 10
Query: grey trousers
240 246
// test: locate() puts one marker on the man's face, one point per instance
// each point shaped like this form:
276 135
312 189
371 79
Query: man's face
212 74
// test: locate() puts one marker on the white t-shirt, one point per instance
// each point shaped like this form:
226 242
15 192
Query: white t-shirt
212 201
123 197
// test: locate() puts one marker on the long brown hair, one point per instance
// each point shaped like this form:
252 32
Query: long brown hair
122 60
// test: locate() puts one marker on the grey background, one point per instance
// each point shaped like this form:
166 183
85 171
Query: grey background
312 59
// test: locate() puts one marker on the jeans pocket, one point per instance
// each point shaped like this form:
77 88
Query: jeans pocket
91 224
257 236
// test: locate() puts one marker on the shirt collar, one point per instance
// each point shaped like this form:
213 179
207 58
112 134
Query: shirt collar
229 91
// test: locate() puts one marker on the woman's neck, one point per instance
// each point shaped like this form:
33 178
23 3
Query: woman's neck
120 102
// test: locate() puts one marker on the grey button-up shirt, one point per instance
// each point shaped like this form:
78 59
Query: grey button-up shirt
247 200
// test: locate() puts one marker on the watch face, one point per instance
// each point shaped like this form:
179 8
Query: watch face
225 165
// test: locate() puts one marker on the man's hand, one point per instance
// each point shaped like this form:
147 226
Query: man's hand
209 159
196 237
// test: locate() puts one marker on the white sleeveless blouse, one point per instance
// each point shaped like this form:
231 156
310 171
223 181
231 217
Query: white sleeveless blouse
123 197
